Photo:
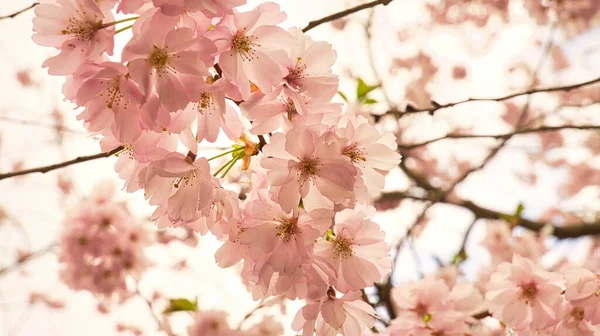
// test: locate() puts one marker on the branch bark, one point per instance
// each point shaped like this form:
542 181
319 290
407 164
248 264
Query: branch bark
541 129
339 15
437 107
45 169
13 15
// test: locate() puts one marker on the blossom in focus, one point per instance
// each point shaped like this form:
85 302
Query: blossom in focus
348 315
357 252
168 63
75 27
523 295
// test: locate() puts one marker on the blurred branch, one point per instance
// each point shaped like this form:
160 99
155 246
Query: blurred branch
541 129
13 15
571 231
22 261
56 127
46 169
339 15
437 106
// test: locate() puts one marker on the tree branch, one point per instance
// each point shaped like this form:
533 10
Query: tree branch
46 169
437 107
24 260
339 15
561 232
541 129
13 15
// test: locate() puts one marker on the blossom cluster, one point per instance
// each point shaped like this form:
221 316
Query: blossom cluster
102 246
195 68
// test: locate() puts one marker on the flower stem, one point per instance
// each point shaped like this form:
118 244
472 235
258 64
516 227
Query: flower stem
239 156
105 25
228 152
123 29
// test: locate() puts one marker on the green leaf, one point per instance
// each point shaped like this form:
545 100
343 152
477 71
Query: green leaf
176 305
370 101
343 96
460 257
362 89
519 210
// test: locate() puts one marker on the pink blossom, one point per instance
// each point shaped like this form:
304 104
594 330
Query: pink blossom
182 188
211 322
357 252
102 246
75 27
301 161
522 295
583 290
210 8
284 240
348 315
373 153
573 321
276 109
112 101
168 63
213 112
248 43
309 69
268 326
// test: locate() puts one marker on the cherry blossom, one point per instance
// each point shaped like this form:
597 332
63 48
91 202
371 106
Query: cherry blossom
347 315
76 28
522 295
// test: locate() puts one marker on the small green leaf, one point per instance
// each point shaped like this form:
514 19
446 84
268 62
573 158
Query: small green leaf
343 96
460 257
370 101
362 89
176 305
519 210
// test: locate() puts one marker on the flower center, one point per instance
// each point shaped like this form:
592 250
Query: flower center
308 167
159 59
287 228
355 153
295 74
83 29
187 179
577 313
342 249
245 45
204 102
529 292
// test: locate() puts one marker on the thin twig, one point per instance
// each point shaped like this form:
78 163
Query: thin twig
541 129
24 260
46 169
13 15
339 15
437 107
56 127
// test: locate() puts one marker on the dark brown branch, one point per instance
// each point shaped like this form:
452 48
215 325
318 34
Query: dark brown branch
13 15
339 15
541 129
561 232
46 169
437 107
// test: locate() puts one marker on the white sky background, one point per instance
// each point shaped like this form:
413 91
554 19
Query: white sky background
34 199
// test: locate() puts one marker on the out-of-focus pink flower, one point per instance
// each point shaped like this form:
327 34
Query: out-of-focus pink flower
573 321
301 161
170 63
210 8
75 27
358 252
247 43
524 296
211 322
348 315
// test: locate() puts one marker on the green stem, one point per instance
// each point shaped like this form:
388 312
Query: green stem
223 167
105 25
123 29
235 159
228 152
